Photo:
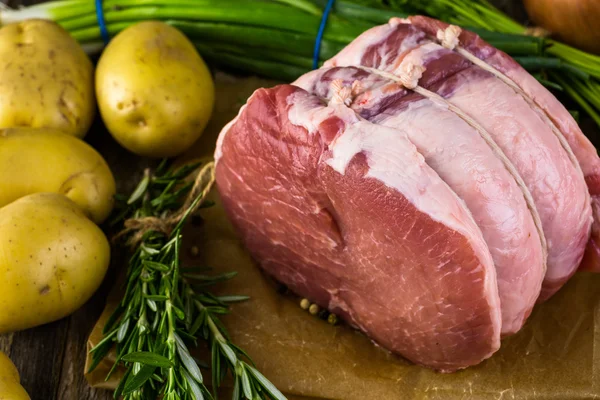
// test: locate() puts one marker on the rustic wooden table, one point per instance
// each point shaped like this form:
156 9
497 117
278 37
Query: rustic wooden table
51 358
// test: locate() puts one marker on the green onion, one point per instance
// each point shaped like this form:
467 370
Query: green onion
275 38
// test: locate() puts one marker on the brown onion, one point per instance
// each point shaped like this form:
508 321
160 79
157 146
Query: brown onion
576 22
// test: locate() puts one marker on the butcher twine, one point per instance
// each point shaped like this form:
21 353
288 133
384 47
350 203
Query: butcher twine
102 22
165 225
409 77
319 38
449 39
455 30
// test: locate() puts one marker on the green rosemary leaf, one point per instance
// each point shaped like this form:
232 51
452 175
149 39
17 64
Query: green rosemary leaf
149 250
217 310
221 328
229 353
162 167
207 300
163 323
265 383
122 330
148 358
136 381
246 384
156 297
112 370
131 342
197 323
187 360
233 299
236 390
119 390
114 317
106 340
194 388
183 171
242 352
189 312
140 189
210 279
185 335
179 313
216 366
98 355
152 305
155 265
161 311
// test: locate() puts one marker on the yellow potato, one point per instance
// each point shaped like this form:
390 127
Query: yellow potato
10 386
52 259
46 79
43 160
154 91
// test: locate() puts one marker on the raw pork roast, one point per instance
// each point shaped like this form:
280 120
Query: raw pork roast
421 185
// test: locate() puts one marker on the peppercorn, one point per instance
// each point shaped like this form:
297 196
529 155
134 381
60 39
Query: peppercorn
314 309
332 319
323 314
304 304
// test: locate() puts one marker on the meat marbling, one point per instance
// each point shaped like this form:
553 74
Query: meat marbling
464 161
412 190
553 179
583 149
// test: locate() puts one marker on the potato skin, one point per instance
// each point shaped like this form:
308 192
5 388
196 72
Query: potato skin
10 386
46 79
52 260
154 91
43 160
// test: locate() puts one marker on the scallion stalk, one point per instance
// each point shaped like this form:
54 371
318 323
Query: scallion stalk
248 34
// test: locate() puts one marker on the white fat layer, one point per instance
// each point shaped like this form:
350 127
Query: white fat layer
463 160
352 54
306 112
226 128
489 140
315 83
509 82
420 55
394 160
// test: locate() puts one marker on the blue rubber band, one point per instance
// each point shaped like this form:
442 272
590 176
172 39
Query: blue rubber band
101 22
319 39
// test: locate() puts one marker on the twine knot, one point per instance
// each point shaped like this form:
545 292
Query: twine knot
340 93
449 36
410 74
138 227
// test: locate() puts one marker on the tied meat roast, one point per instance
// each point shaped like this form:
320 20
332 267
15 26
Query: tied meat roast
421 185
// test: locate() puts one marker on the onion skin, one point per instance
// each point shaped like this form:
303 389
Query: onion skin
576 22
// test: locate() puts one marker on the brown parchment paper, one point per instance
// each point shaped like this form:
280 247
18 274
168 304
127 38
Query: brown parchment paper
555 356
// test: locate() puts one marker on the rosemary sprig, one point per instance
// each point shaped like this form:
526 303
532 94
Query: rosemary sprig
166 308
